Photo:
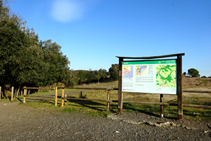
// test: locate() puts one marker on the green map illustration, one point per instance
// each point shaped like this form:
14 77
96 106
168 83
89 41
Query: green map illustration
165 75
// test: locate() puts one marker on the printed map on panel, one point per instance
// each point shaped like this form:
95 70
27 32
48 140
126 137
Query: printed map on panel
165 75
127 71
140 69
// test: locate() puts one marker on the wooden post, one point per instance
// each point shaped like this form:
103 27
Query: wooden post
24 94
0 92
65 99
179 87
62 96
12 93
108 102
81 95
161 106
56 96
120 96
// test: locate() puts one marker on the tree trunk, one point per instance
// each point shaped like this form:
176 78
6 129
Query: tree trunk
3 90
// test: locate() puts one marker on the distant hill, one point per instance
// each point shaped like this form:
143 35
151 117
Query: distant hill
195 81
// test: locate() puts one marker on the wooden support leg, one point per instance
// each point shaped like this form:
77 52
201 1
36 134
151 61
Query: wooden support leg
161 106
179 87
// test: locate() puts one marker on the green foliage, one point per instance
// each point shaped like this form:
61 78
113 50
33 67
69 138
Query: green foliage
193 72
103 74
87 76
114 71
72 79
203 77
97 77
24 60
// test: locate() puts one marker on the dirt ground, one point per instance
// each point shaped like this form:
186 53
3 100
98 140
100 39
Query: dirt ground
20 122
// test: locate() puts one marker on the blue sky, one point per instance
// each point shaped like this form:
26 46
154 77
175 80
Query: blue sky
92 32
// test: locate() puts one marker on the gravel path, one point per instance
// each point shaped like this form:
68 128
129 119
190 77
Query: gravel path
20 122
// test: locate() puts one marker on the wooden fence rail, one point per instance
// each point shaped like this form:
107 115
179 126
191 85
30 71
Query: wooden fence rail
166 104
64 97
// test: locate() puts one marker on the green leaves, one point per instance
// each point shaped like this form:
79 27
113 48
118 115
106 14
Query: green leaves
114 71
24 60
193 72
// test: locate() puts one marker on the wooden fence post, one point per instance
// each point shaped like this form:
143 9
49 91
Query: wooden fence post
12 93
81 95
161 106
24 94
108 102
62 96
0 92
65 99
56 96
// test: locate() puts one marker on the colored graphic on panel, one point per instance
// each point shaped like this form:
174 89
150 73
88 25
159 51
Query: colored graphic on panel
150 76
165 75
140 69
127 71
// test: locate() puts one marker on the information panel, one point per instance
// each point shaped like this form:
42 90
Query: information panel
155 76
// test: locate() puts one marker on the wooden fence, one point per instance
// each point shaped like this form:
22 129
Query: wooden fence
169 104
64 97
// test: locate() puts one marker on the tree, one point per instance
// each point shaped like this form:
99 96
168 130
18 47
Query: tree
58 63
184 73
203 77
103 74
193 72
24 60
19 50
114 71
81 75
72 79
97 77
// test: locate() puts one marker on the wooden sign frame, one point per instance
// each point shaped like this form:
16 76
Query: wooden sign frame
179 80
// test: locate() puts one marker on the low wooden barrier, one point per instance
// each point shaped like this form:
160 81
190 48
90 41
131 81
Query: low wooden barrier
32 88
165 104
169 104
64 97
